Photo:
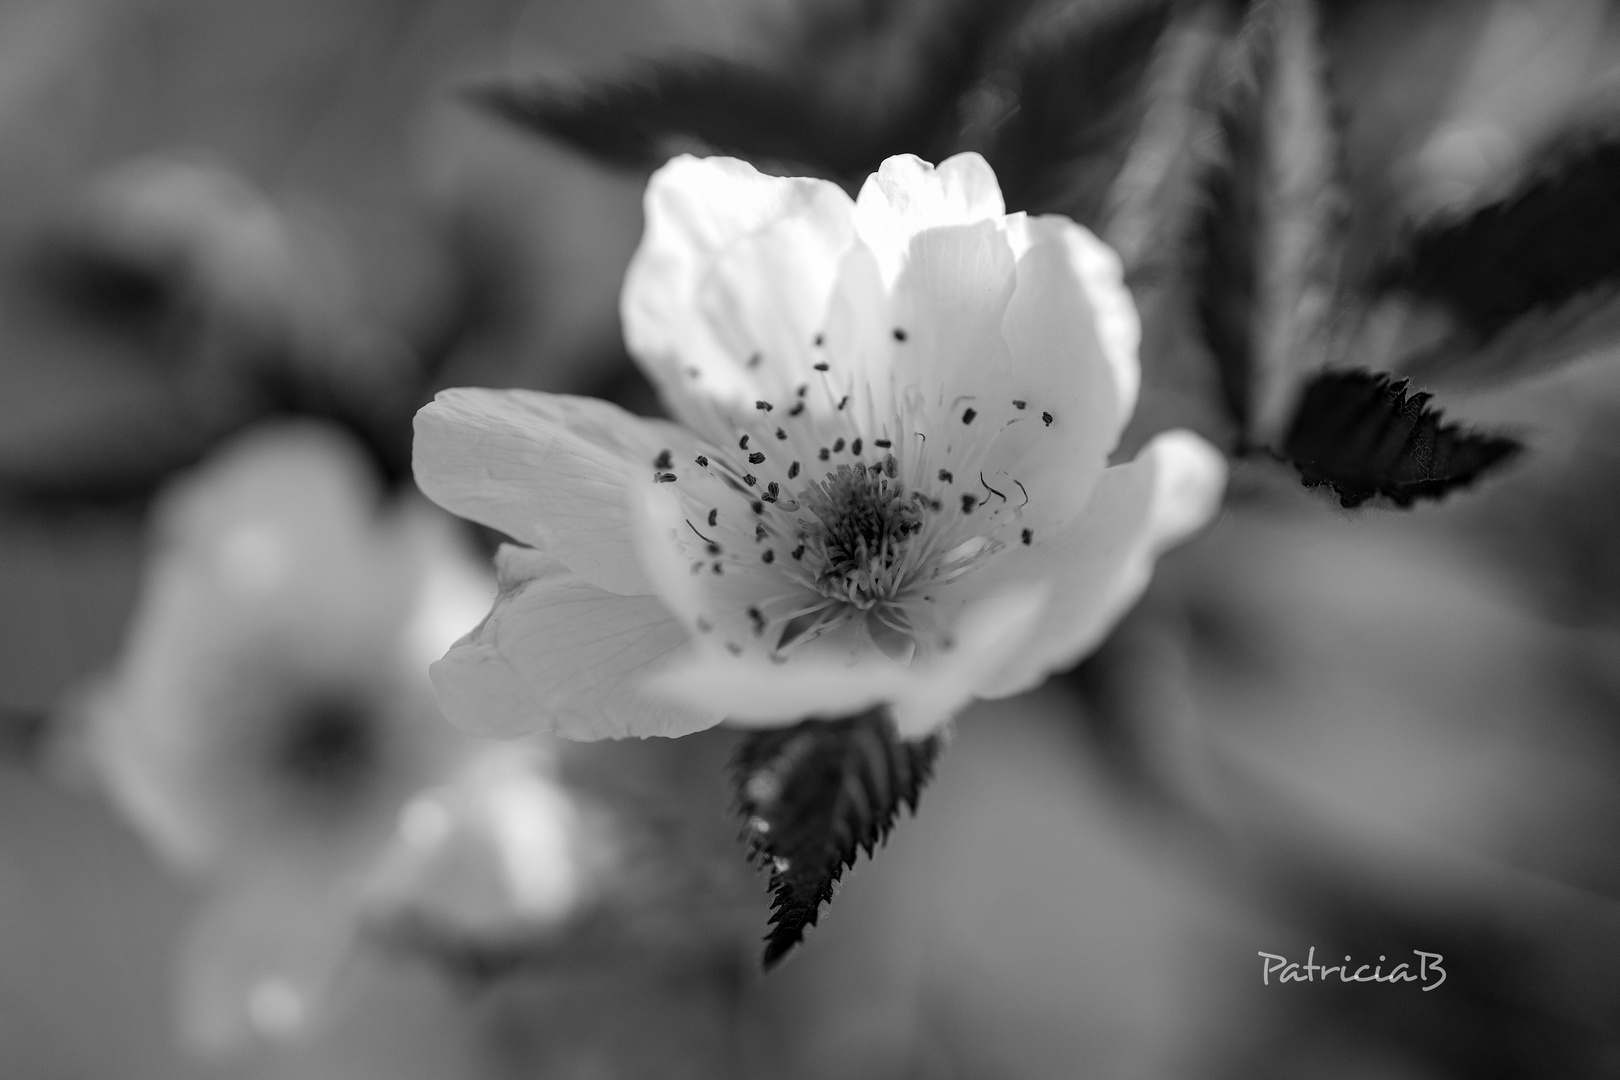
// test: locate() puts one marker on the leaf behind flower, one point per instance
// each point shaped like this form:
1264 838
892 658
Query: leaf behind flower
812 796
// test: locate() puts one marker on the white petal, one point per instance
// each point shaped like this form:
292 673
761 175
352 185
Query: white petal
1072 331
559 655
907 195
1102 561
922 697
734 266
949 302
549 470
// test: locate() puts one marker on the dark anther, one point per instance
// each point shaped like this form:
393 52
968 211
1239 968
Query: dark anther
838 444
1028 534
968 502
842 402
701 460
759 533
899 334
769 556
1046 418
967 417
764 406
804 388
793 470
824 454
798 552
748 478
945 475
891 467
742 443
855 448
664 461
780 434
754 459
757 507
798 407
665 478
1019 404
884 443
822 366
714 515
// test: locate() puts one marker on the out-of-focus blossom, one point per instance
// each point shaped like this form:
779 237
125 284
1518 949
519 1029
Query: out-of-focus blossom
270 728
889 481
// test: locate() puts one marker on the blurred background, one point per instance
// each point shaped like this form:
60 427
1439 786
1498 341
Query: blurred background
240 242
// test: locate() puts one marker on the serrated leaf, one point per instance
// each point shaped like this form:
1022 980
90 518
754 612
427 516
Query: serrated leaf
1362 434
1273 227
814 794
1056 117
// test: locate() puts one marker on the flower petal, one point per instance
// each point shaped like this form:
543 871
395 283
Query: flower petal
907 195
1102 561
560 655
728 289
921 697
549 470
1072 331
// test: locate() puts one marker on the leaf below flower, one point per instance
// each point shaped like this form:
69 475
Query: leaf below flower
1362 434
812 796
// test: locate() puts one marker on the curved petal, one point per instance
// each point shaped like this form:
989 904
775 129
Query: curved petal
1072 332
921 697
1101 562
549 470
907 195
560 655
727 291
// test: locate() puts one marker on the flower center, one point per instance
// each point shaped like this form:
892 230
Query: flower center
866 520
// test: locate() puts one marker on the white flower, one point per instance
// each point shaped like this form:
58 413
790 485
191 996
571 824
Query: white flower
271 714
888 481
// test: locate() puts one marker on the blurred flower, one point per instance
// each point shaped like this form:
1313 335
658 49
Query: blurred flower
889 481
270 728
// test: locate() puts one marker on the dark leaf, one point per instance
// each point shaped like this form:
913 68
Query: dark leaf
812 796
1273 225
836 105
1363 435
1557 236
699 102
1056 118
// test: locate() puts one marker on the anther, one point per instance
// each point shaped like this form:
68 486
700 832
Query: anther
764 406
798 407
968 502
714 516
1028 535
665 478
798 552
701 460
884 443
821 366
945 475
899 334
757 507
780 434
967 417
742 443
824 454
664 461
1046 418
855 447
748 478
793 470
1019 404
755 458
838 444
842 402
769 556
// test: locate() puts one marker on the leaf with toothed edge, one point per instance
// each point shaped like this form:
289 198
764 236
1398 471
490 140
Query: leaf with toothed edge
1362 434
813 795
